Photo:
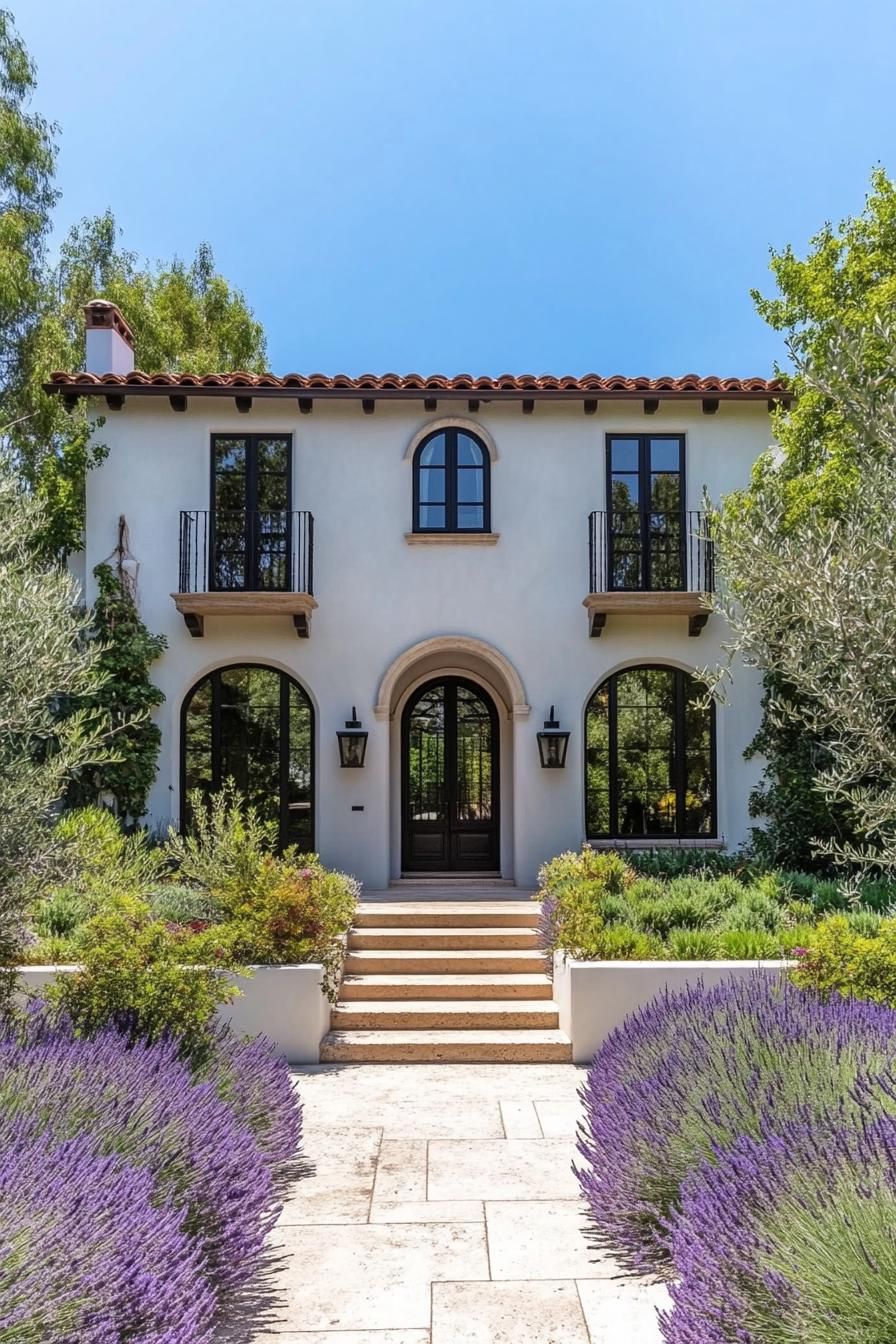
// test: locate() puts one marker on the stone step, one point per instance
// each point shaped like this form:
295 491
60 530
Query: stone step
444 1014
446 1047
447 914
391 987
450 881
408 961
443 939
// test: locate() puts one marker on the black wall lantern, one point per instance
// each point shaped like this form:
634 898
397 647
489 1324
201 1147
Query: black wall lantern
352 743
552 744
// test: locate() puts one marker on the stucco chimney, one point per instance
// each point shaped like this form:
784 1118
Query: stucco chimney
110 341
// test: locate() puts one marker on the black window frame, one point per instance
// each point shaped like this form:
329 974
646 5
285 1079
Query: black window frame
286 682
251 567
644 473
680 681
452 469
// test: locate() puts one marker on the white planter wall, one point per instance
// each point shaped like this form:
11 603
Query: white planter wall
285 1003
595 997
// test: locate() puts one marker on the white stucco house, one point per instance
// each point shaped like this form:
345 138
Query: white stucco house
445 563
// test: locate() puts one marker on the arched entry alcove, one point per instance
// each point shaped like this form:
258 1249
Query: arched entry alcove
453 702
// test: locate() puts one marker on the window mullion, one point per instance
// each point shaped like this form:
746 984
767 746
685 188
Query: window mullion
613 770
451 480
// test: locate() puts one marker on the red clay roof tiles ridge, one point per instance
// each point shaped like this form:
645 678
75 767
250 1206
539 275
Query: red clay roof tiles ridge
589 383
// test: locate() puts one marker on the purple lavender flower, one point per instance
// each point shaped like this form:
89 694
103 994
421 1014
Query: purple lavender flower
255 1083
789 1237
686 1075
88 1252
141 1103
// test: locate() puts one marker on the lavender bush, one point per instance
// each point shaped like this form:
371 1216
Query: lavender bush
790 1239
688 1074
141 1103
88 1252
254 1082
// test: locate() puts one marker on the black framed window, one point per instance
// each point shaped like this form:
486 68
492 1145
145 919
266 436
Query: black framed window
646 509
251 519
650 757
255 725
452 487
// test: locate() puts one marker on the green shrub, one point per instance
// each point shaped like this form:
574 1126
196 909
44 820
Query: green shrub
838 960
691 945
620 942
755 910
603 867
60 913
670 863
133 976
103 858
226 843
178 904
748 945
865 922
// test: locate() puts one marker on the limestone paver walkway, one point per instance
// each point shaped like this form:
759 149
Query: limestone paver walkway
441 1209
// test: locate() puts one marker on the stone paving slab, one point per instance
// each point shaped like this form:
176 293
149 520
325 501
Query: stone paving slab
508 1313
440 1208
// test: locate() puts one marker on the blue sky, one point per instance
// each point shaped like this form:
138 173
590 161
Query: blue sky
476 186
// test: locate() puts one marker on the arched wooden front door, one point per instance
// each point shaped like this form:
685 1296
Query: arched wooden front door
450 784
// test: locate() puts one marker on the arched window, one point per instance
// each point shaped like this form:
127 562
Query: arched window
451 483
254 725
650 756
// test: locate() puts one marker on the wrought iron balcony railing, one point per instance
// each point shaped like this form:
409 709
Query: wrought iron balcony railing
641 552
228 551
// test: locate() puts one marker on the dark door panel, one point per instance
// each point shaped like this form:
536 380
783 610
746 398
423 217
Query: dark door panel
450 809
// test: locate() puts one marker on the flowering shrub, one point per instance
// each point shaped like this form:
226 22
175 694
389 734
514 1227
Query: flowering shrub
691 1072
840 958
789 1238
140 1103
89 1253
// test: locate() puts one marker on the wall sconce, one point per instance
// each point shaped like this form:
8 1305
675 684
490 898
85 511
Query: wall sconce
552 744
352 743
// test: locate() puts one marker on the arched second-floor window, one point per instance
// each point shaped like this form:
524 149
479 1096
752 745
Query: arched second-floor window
650 757
451 483
254 725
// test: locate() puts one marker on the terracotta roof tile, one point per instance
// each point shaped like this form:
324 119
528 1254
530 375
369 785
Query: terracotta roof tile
591 384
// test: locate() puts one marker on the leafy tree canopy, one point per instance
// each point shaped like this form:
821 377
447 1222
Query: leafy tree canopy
845 282
184 317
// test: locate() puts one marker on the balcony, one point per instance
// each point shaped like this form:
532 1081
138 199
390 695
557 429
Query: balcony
649 564
246 564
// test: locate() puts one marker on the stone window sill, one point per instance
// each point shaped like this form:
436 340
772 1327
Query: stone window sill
452 538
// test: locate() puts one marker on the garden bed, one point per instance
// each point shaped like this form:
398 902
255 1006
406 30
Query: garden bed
595 997
287 1004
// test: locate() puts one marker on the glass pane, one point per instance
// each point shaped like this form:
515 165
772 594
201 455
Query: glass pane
624 454
433 454
624 491
665 493
426 758
250 735
273 491
432 485
300 780
597 764
470 485
272 550
272 455
432 515
230 474
469 453
627 572
474 758
646 751
665 455
470 517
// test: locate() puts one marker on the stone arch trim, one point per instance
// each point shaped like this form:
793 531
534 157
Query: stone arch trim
452 422
449 646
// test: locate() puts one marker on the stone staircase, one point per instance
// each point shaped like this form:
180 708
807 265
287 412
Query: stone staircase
450 981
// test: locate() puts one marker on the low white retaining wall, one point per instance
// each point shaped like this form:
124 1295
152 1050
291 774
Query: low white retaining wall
596 996
285 1003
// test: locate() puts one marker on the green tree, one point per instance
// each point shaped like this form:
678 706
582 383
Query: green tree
184 317
125 697
47 666
813 597
846 280
27 196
